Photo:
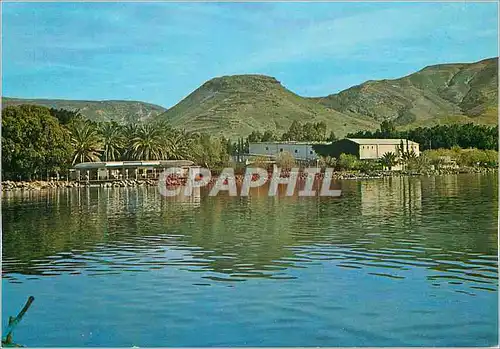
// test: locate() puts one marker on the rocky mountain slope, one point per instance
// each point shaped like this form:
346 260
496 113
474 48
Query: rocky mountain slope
120 111
444 93
237 105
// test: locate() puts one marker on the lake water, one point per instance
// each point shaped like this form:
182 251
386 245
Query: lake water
393 262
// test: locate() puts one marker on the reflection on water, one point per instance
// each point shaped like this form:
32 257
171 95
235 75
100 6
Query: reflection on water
440 231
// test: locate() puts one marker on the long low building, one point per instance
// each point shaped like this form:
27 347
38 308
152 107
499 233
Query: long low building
299 150
369 148
115 170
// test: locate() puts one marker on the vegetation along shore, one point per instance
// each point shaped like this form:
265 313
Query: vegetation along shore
39 143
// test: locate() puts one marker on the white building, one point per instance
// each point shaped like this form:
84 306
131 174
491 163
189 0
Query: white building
299 150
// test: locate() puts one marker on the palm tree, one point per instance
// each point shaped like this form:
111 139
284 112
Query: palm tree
178 145
128 134
389 160
147 144
85 140
112 141
408 156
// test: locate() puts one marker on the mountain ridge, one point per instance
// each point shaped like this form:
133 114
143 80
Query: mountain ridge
445 90
122 111
236 105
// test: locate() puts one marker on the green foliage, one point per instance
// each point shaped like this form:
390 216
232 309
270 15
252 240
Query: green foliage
305 132
285 160
209 152
328 161
389 160
369 166
444 136
387 128
33 143
462 157
112 141
332 137
269 136
86 142
148 143
348 162
420 164
66 117
406 155
261 162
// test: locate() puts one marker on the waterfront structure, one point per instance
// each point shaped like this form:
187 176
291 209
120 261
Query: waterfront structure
119 170
299 150
370 148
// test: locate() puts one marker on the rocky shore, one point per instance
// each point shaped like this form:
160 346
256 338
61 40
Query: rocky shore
353 175
39 185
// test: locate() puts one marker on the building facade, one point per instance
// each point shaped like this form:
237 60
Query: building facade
118 170
299 150
367 149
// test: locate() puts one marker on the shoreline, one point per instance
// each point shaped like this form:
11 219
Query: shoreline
340 175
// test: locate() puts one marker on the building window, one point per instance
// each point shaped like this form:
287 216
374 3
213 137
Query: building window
296 151
372 146
310 152
281 149
267 148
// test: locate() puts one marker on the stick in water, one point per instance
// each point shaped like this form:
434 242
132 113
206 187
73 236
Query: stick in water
14 321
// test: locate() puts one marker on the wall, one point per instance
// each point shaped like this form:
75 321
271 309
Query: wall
299 151
343 146
376 151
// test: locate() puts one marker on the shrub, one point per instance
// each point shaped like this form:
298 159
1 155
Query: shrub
348 162
285 160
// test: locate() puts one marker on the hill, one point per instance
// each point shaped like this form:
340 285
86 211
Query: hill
438 94
234 106
120 111
237 105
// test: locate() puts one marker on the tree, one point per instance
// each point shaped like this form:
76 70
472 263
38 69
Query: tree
33 142
308 132
260 162
148 143
387 129
210 152
406 154
285 160
255 137
389 160
327 161
178 145
367 166
86 142
112 141
332 137
294 133
268 136
347 162
66 117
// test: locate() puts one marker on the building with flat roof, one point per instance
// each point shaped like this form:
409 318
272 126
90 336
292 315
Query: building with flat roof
116 170
369 148
299 150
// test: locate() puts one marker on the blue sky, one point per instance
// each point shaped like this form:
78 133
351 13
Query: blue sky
160 52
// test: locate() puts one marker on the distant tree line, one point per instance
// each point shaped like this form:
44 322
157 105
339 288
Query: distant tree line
301 132
440 136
